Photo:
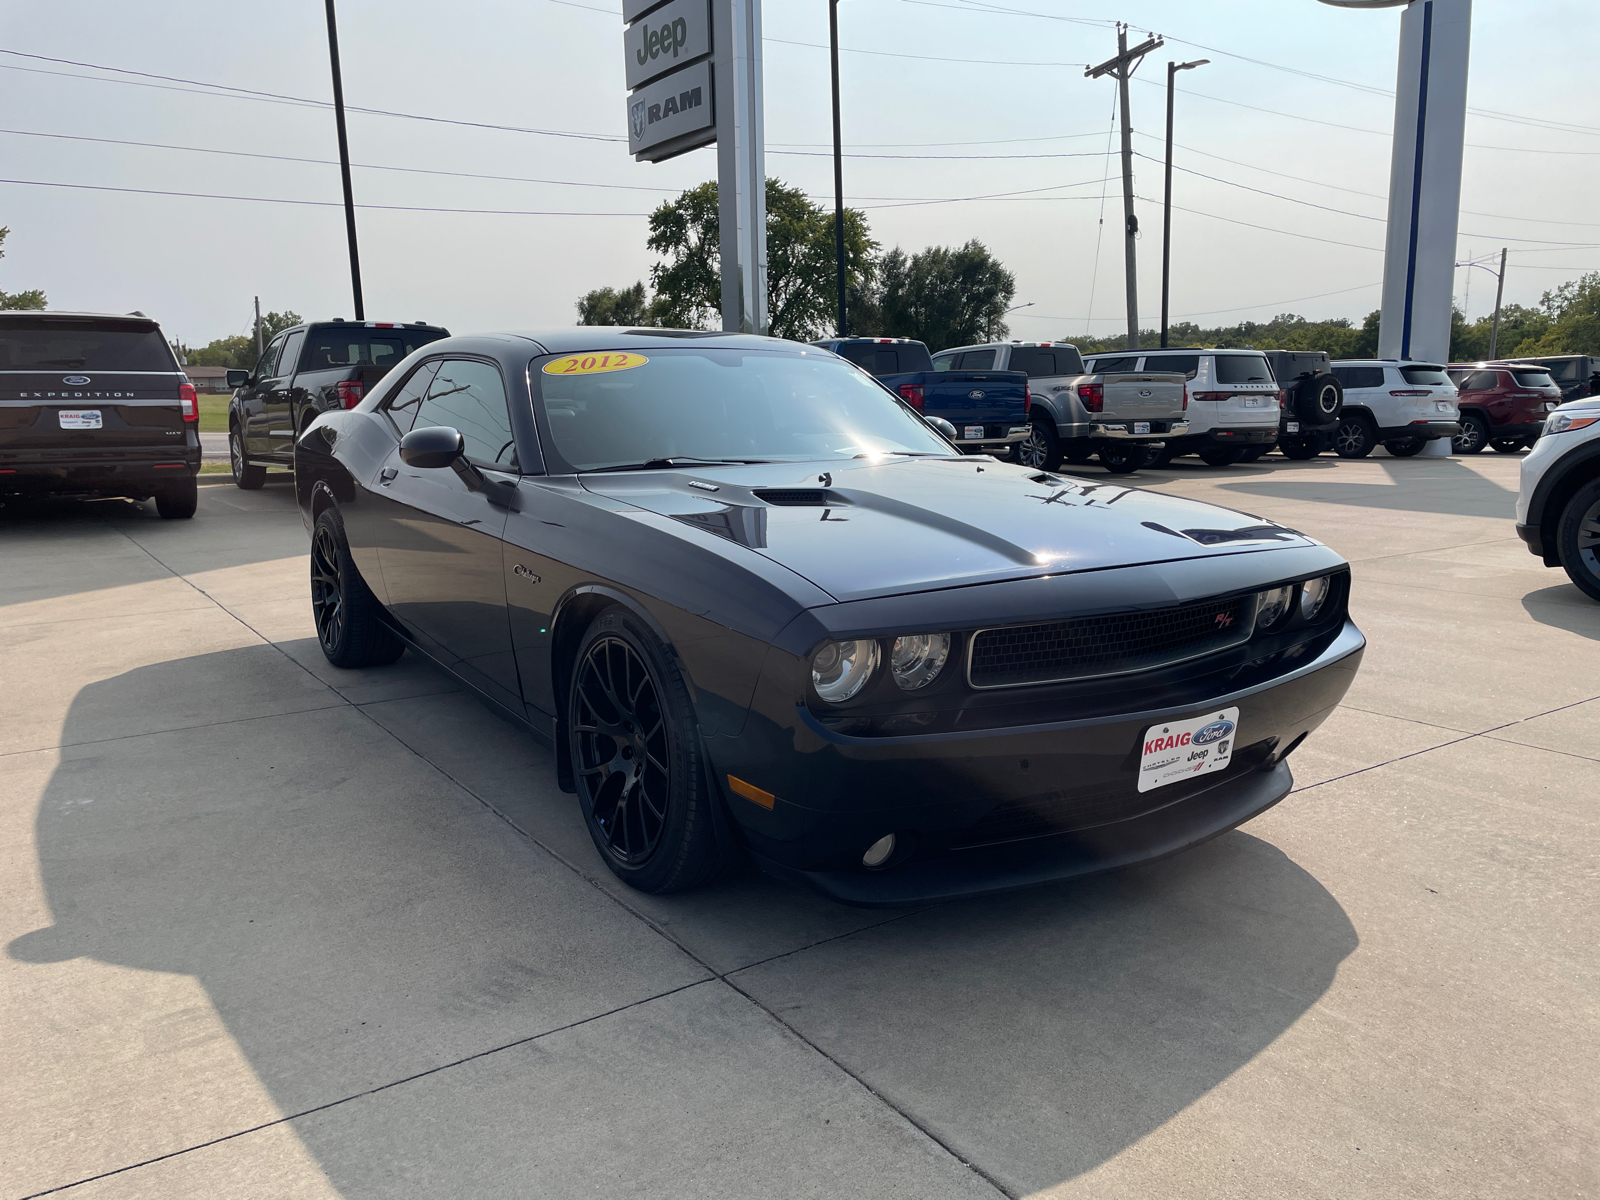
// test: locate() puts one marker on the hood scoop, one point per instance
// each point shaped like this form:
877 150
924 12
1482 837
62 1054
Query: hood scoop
794 497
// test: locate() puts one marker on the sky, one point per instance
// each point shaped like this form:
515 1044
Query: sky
1281 170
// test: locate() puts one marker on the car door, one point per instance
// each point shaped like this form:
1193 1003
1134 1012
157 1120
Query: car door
280 403
253 396
439 548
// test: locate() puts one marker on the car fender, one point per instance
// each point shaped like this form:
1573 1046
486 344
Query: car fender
1558 483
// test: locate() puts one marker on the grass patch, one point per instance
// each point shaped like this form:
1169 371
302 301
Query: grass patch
214 412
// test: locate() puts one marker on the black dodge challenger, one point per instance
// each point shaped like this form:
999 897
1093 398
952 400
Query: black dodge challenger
760 606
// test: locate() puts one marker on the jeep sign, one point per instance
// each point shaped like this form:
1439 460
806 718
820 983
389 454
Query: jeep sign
672 36
672 115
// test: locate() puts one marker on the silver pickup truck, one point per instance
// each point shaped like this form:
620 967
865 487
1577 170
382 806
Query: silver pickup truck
1122 417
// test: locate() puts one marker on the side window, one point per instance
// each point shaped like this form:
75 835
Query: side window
269 357
290 358
978 360
1480 381
1177 364
944 362
469 396
1126 363
1355 378
402 406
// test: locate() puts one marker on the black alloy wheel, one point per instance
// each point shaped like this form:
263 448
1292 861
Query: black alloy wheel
348 617
1123 458
1578 539
1508 445
1354 436
1300 446
1041 449
636 759
244 475
1221 456
1474 435
1405 447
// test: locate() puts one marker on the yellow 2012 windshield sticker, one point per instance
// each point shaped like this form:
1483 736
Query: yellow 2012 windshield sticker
593 364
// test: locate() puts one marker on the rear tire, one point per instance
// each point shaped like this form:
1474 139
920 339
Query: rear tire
1354 436
348 616
1474 435
1123 459
1405 447
1578 539
1041 449
1508 445
1252 453
176 501
1221 456
244 474
641 773
1300 446
1161 457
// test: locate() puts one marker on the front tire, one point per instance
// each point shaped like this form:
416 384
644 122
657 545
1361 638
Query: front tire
245 475
1578 539
1041 450
640 771
1474 435
176 501
1508 445
1354 437
348 616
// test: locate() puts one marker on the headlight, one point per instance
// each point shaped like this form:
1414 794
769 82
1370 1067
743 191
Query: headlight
918 657
1272 607
841 669
1313 595
1565 422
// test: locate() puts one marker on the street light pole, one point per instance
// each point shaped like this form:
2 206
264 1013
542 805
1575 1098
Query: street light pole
344 162
1166 204
838 159
1499 291
1121 68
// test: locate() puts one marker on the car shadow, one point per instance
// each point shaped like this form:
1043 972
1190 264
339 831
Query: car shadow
1432 485
1037 1033
1564 607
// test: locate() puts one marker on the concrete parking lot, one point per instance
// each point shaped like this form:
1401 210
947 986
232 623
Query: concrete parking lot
273 929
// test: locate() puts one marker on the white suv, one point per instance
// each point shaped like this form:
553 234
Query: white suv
1558 506
1402 404
1233 394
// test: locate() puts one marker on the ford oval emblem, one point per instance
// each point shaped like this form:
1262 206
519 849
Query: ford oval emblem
1213 732
974 395
74 380
1144 391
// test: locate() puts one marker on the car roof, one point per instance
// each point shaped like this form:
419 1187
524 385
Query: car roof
131 318
1387 362
572 338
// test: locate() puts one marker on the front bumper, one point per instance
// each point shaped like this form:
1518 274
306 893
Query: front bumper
993 809
1128 430
1535 541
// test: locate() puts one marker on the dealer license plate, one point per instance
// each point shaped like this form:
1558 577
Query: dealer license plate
79 418
973 431
1184 749
1255 402
1141 426
1291 426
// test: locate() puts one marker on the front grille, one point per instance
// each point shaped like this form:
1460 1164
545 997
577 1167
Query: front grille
1088 647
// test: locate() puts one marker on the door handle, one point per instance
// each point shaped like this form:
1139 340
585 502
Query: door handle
388 475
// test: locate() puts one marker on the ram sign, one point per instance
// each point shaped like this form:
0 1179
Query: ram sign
672 115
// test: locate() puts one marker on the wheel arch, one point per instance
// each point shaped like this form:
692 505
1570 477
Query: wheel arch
1558 486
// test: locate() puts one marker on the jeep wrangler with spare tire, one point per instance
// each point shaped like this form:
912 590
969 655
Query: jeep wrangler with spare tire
1313 401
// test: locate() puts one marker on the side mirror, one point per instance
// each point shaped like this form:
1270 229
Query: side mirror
943 426
432 448
237 378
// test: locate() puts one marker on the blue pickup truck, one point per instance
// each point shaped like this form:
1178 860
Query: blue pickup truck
989 409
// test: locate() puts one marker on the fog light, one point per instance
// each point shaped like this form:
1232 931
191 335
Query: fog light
878 853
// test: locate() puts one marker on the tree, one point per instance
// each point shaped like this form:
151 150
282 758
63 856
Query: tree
1339 337
943 296
32 298
801 301
626 306
240 349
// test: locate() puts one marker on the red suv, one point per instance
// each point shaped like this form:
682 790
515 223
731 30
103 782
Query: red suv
1502 405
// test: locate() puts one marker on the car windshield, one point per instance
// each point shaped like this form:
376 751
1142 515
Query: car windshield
1243 368
607 410
78 344
1533 379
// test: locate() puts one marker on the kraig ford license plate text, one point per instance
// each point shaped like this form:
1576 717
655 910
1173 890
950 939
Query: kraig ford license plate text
1178 751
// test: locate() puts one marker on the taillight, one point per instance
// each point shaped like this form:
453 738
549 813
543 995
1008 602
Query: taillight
1213 395
1092 395
911 393
189 401
1283 399
349 393
1027 402
1411 392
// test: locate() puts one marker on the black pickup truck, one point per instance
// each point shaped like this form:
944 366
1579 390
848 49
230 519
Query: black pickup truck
989 409
95 405
303 373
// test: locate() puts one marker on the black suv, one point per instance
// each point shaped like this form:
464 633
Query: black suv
1313 403
93 404
304 372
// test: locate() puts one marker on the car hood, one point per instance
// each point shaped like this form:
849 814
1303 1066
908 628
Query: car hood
861 529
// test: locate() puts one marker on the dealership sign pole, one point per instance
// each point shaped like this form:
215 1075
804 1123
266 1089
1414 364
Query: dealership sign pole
694 73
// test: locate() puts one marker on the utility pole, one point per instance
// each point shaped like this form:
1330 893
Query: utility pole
1121 68
344 162
1166 204
1499 291
258 327
838 159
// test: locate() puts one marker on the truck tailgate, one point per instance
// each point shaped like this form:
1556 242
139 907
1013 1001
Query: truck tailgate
977 397
134 415
1144 394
